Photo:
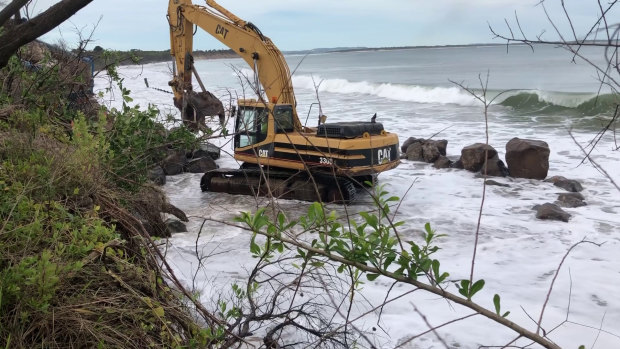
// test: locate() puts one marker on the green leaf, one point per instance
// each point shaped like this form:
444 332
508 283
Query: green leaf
427 228
464 288
371 277
496 303
435 264
426 265
477 286
159 312
506 314
301 253
371 219
254 248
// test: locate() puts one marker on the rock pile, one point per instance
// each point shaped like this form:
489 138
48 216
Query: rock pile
526 158
179 161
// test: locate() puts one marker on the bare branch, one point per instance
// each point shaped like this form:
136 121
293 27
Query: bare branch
542 312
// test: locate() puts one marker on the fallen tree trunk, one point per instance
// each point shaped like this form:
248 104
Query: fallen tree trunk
17 35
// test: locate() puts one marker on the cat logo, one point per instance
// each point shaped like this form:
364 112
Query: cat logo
383 155
263 153
221 31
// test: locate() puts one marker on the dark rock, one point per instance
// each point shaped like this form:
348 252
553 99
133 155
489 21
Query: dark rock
206 149
441 144
457 164
157 175
200 165
551 212
410 141
495 167
493 182
430 152
442 162
555 179
174 163
414 152
569 185
473 156
571 200
527 158
175 226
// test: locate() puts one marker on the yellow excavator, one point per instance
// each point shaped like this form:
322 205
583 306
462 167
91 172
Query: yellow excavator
280 157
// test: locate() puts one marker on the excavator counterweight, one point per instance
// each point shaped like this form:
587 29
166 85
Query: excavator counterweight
280 157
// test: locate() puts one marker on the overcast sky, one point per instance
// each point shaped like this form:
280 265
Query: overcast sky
305 24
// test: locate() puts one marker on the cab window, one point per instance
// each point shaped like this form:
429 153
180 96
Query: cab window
283 117
251 126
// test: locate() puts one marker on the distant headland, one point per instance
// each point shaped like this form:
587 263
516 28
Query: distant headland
137 56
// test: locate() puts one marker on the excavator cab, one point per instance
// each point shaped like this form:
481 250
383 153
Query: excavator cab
256 122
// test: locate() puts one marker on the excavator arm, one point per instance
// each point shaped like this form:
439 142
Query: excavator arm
242 37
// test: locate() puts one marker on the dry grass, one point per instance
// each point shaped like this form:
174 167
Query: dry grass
111 294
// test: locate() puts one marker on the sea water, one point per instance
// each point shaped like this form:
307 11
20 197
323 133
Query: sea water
539 94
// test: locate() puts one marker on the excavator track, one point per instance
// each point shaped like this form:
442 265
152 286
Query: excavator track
280 183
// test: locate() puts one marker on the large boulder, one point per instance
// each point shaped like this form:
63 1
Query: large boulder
494 167
442 162
200 165
427 150
174 163
527 158
414 152
206 149
409 142
430 152
157 175
175 226
458 164
473 156
551 212
441 145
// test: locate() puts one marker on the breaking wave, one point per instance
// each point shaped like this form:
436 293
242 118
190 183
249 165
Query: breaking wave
398 92
521 102
551 103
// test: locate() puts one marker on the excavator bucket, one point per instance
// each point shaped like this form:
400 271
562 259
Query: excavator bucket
198 105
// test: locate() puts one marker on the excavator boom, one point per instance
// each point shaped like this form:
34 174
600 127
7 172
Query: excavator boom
244 38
